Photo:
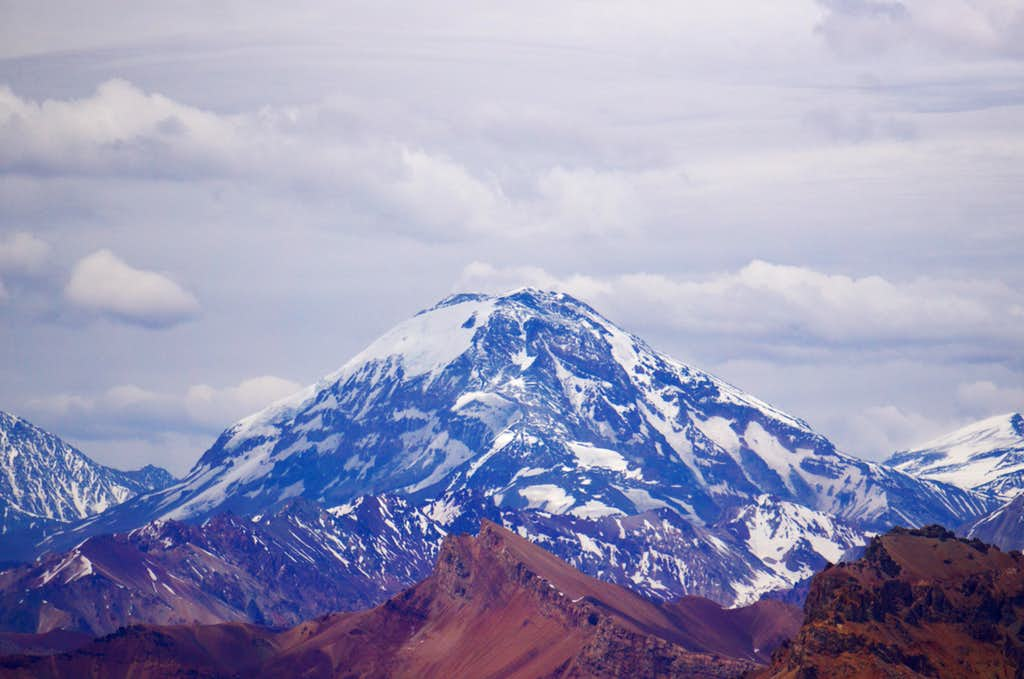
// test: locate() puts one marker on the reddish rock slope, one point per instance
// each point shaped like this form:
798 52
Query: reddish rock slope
920 603
495 606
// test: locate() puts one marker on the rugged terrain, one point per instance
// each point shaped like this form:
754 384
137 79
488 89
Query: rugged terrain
46 483
920 603
535 411
278 569
1003 527
495 605
986 456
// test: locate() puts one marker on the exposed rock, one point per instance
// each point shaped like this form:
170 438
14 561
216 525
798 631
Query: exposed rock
920 603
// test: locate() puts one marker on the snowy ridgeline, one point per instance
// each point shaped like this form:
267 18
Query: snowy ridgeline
47 483
533 409
987 456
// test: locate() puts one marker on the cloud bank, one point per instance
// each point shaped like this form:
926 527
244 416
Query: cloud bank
763 301
127 411
104 284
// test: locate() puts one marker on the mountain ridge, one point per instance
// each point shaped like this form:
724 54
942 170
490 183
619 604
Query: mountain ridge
493 605
534 410
47 482
986 456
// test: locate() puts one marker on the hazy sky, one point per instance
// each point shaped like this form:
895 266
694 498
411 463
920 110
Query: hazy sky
204 205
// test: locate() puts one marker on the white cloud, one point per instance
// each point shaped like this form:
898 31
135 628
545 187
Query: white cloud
128 409
124 132
882 430
103 283
970 27
786 304
119 129
23 253
985 397
219 406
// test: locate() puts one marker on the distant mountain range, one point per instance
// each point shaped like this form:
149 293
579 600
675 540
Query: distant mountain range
918 603
1003 527
985 456
532 410
278 569
495 605
988 457
47 483
527 412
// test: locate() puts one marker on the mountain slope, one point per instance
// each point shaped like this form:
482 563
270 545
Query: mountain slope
1003 527
920 603
986 456
531 405
494 605
497 587
44 482
277 569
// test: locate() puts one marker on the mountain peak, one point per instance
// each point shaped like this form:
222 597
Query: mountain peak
996 427
528 406
47 482
526 296
987 455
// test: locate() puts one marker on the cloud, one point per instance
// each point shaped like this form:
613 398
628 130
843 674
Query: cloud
129 410
766 302
985 397
121 131
976 28
857 127
105 284
23 253
118 130
889 428
220 406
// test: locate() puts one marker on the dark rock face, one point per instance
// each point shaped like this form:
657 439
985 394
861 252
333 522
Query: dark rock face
919 603
495 605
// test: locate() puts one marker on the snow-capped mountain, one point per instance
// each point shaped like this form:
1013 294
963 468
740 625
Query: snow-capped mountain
46 482
986 456
534 407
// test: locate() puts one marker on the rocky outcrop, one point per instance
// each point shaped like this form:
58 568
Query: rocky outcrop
920 603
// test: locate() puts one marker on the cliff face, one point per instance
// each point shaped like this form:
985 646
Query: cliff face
919 603
495 605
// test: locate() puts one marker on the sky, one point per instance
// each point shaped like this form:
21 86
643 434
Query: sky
206 205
